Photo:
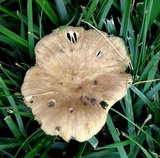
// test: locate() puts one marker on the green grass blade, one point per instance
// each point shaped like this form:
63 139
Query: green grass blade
136 126
14 106
145 99
81 150
30 31
49 11
14 128
91 10
38 147
25 21
115 145
14 36
125 19
93 141
109 153
48 148
115 137
8 73
3 9
150 65
147 154
62 11
149 95
155 11
103 12
3 152
150 143
130 115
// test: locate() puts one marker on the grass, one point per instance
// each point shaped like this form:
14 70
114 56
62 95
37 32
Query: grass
133 124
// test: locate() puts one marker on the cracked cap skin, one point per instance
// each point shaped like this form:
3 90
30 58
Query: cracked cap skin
75 71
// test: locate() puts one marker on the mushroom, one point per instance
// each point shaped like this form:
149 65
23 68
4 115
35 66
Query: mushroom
75 71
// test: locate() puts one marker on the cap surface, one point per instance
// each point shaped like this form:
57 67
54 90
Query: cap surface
75 71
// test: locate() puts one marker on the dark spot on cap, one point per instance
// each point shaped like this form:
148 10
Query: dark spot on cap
61 51
60 83
79 87
58 128
95 82
86 98
84 103
93 101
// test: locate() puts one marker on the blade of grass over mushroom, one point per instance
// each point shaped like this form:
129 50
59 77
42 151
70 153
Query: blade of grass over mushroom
14 36
62 11
30 30
105 38
14 106
125 19
49 11
102 14
91 10
94 21
115 136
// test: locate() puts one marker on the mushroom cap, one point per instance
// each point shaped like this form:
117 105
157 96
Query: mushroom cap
75 71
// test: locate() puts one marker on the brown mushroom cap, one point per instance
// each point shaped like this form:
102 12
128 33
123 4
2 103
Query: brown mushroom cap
75 71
